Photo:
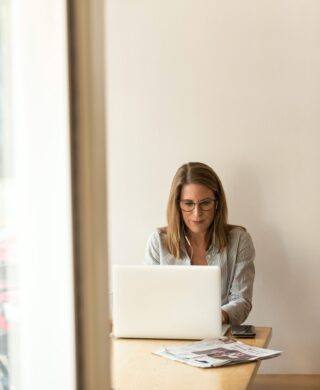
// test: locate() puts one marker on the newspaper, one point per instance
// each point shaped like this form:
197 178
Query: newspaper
216 352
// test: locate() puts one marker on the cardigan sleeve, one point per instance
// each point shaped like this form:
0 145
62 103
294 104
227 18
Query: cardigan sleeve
152 253
240 295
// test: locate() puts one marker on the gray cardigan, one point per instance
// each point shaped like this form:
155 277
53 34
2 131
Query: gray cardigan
235 261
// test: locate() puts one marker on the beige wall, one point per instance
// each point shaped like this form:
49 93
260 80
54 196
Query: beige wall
234 84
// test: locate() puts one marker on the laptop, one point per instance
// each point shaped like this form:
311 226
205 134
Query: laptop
167 302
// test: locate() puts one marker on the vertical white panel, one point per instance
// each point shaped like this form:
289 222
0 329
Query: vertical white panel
41 125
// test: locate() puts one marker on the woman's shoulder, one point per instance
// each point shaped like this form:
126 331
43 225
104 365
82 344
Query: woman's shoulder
239 234
157 235
240 241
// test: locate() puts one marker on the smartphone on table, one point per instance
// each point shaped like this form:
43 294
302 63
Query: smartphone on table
246 331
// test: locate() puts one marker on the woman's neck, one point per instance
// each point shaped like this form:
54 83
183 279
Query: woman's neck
197 240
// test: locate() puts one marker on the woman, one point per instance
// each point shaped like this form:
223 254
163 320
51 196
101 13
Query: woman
198 234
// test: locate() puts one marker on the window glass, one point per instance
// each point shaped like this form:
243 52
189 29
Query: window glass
8 259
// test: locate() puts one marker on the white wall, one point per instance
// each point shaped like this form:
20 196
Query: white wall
234 84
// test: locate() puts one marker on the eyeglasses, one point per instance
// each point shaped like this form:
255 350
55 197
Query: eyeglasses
189 205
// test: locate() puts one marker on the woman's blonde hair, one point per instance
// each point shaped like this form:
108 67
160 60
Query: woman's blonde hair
195 173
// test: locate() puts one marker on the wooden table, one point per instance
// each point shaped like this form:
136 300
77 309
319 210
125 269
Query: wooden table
134 367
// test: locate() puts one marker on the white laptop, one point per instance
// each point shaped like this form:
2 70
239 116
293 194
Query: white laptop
167 302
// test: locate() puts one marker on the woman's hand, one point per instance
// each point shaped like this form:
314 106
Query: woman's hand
225 317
